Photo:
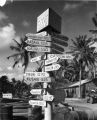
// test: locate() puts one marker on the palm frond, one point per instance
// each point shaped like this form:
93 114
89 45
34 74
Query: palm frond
19 45
14 55
15 48
16 62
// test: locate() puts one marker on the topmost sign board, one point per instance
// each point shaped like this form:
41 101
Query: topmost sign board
49 19
38 37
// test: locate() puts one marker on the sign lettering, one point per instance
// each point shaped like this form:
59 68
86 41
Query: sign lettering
36 42
31 79
37 102
38 49
36 74
52 67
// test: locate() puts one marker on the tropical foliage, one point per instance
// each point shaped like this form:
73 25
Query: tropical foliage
21 54
16 87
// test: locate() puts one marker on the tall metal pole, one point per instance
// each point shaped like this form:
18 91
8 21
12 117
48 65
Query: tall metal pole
48 108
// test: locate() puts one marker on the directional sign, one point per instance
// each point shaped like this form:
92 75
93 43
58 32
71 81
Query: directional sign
44 33
38 79
51 56
49 61
59 41
37 42
38 49
36 91
58 47
60 56
66 56
38 37
60 36
37 102
36 74
36 59
56 51
52 67
48 97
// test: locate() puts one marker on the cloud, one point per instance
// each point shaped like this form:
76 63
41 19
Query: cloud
10 68
3 16
70 6
1 69
7 33
25 23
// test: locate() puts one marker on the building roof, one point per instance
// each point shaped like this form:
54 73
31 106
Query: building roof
78 83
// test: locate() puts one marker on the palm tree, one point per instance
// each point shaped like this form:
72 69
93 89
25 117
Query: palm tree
84 54
21 54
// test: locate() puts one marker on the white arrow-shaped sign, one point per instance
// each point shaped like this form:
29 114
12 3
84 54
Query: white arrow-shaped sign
38 49
38 79
52 67
37 102
36 59
36 74
48 97
38 37
60 56
51 56
44 33
37 42
36 91
52 60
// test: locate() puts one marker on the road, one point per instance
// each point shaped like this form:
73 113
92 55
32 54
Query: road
82 110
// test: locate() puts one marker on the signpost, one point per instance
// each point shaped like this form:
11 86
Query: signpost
48 97
38 103
52 60
57 47
7 95
36 74
66 56
38 58
52 67
36 42
46 42
54 51
38 37
59 41
39 79
60 56
38 49
60 36
36 91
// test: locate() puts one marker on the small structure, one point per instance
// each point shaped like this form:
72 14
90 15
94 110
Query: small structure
49 20
73 89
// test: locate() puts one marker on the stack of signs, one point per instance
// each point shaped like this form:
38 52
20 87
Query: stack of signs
37 77
38 43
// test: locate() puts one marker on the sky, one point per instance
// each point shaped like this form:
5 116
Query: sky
19 17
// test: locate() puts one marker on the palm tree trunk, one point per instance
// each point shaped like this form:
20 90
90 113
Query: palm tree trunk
80 83
94 71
